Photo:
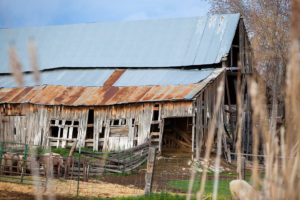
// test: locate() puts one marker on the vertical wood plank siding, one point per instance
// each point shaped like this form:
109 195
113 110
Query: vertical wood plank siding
205 106
28 123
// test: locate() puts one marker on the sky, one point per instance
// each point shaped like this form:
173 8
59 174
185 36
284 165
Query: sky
31 13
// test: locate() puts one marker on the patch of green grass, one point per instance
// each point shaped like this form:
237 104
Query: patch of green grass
61 151
65 152
223 189
153 196
162 196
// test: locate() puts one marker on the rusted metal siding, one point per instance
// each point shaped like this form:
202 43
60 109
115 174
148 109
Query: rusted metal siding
89 96
105 95
114 77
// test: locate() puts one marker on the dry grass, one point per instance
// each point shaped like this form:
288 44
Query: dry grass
67 188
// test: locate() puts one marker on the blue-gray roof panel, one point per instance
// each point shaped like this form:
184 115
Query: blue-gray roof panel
97 77
74 77
162 77
145 43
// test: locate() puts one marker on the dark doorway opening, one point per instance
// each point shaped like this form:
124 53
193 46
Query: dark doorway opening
90 127
177 136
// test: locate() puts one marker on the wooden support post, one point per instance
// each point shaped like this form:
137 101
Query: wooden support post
224 61
241 171
198 108
161 130
226 148
193 134
243 167
149 172
69 159
85 167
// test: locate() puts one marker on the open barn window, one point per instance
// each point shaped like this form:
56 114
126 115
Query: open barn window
90 129
136 135
119 128
54 131
75 132
155 112
177 137
63 133
101 138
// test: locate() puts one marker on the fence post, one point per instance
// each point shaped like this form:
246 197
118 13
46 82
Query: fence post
24 162
243 166
149 172
78 179
69 159
1 154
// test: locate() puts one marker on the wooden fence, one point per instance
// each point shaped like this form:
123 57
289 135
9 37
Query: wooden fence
96 163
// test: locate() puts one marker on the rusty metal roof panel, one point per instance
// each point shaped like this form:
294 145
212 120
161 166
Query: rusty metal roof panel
104 95
144 43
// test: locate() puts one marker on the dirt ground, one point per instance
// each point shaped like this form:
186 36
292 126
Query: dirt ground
66 189
168 167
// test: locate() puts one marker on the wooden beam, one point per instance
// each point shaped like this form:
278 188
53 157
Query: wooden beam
193 131
161 130
149 172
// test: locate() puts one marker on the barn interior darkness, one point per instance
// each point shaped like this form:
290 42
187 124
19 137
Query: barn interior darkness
177 136
90 128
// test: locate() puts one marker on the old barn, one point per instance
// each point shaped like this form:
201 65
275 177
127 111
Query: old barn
115 85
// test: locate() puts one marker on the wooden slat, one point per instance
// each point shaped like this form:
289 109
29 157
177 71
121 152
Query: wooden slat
155 133
149 172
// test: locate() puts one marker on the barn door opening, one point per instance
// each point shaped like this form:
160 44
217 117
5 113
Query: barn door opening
177 137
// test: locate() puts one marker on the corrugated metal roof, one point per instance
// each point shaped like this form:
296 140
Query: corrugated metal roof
145 43
162 77
105 95
66 77
100 77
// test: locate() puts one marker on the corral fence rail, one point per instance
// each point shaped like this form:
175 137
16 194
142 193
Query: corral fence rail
14 162
17 161
88 173
117 162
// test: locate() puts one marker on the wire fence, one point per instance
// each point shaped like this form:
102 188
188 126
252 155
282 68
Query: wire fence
105 175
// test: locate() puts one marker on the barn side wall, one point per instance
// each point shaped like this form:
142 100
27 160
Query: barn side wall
113 127
205 106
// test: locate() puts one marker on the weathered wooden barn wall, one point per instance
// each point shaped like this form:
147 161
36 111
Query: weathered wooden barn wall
204 113
244 109
30 124
136 119
114 127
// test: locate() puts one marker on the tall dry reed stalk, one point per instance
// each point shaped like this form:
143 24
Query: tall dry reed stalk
281 148
17 72
15 66
34 61
210 138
